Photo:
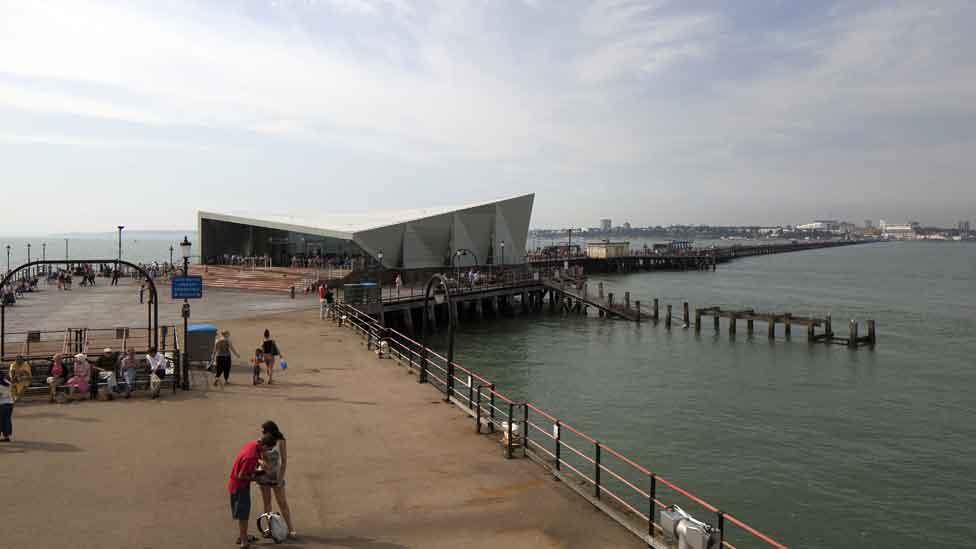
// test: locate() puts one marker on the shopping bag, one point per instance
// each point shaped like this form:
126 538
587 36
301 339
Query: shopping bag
284 364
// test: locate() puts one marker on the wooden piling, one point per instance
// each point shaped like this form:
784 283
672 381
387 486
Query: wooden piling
811 332
686 316
655 311
771 328
610 299
667 319
749 326
626 300
788 324
408 320
638 318
697 321
732 322
716 319
600 289
852 329
872 336
828 328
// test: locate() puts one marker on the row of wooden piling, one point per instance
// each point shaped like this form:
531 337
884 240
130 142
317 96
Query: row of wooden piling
771 319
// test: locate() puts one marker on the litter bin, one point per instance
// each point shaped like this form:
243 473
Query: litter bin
200 342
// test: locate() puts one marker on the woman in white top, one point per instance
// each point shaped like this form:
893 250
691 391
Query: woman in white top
274 480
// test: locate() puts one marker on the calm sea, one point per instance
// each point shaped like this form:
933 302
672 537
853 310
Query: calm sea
819 445
142 247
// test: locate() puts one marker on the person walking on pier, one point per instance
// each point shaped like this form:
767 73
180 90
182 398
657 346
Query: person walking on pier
271 352
222 351
244 470
323 289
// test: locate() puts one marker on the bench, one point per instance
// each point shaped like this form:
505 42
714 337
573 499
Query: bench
41 370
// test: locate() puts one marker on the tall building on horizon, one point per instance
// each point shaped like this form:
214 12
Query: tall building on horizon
605 224
964 226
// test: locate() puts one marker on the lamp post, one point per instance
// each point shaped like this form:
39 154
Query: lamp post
503 252
184 360
44 254
379 257
118 266
171 255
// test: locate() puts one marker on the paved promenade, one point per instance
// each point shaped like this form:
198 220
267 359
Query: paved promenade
376 461
106 306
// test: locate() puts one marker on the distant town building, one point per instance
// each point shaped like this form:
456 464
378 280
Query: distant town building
964 227
605 249
882 224
605 224
899 232
627 225
826 225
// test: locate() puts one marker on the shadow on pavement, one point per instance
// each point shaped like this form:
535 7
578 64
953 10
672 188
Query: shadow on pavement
351 542
19 447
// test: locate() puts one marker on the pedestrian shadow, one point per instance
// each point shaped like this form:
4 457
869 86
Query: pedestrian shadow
350 542
23 446
331 399
60 416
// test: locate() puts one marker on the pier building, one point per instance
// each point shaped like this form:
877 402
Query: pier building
493 232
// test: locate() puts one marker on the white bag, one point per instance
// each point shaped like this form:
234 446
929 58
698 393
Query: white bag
272 524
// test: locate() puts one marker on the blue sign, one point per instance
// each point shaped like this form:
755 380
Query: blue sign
187 287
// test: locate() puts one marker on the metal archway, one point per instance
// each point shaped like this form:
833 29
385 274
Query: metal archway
153 295
441 281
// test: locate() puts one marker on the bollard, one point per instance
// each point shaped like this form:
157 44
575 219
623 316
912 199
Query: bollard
872 336
852 328
686 315
667 319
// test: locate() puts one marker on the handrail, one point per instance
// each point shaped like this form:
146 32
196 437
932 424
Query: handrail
367 325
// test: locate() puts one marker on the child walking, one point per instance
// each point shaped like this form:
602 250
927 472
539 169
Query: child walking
256 363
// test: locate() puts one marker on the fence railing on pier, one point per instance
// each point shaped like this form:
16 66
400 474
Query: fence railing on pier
628 492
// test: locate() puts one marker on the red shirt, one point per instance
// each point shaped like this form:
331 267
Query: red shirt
244 466
322 292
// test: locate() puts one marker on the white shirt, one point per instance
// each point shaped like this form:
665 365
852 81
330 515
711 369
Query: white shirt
157 361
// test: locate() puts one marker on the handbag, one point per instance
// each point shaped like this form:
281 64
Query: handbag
273 525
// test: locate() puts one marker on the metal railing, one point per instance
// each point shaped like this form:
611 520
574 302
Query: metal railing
628 492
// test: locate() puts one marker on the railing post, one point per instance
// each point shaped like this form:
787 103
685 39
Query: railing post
422 378
651 505
477 412
511 421
449 386
491 407
721 527
525 427
559 435
470 392
596 471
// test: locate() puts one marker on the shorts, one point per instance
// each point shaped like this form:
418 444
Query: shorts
269 361
240 504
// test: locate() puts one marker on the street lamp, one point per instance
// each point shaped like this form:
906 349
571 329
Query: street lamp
503 252
117 265
171 255
379 256
185 252
457 255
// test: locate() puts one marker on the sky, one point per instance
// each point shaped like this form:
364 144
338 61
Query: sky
651 112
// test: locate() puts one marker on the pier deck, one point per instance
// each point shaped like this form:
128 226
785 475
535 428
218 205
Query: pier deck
375 460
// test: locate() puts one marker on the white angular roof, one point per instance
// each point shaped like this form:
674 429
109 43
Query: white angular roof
340 225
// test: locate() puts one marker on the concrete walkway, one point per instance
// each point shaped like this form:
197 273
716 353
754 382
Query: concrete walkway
375 461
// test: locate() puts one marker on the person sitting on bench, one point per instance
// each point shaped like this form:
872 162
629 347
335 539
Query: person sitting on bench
58 375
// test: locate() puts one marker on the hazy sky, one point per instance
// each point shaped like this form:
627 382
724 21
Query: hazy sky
649 112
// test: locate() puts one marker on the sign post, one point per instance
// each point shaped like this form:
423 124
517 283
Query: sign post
186 287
